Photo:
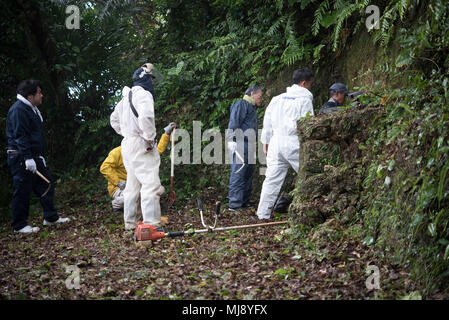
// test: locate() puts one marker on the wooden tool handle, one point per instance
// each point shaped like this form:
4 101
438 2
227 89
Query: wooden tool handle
42 176
172 156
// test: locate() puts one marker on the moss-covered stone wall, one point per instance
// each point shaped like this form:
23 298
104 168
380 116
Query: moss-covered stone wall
330 169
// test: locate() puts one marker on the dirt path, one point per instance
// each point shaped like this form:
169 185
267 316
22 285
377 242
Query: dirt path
257 263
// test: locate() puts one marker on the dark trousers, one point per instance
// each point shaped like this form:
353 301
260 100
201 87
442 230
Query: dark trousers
24 182
240 183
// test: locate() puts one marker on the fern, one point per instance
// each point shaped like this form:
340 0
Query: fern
441 182
439 11
290 30
386 27
398 7
339 4
274 29
318 16
344 9
342 16
249 58
305 3
316 53
234 25
292 52
279 5
403 5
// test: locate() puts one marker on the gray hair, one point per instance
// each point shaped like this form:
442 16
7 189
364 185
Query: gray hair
253 89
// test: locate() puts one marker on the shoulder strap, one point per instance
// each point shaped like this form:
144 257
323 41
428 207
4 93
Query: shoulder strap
131 104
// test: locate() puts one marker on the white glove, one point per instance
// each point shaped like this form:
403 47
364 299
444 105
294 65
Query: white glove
122 185
169 129
232 146
30 165
43 160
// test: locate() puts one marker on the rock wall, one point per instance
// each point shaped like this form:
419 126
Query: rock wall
331 165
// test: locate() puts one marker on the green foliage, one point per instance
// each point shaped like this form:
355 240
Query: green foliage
240 43
344 17
81 71
410 216
296 50
209 52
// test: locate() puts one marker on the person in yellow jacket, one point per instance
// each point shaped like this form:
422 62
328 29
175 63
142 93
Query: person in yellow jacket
114 171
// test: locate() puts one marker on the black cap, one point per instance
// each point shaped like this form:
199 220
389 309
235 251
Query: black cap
340 87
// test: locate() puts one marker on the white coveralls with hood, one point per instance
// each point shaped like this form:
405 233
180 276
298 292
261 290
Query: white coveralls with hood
279 132
140 155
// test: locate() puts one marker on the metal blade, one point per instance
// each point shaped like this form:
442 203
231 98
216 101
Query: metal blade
241 159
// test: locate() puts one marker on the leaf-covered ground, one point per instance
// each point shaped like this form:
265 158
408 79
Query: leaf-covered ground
261 263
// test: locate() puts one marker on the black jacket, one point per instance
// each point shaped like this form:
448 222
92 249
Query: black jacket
330 107
24 131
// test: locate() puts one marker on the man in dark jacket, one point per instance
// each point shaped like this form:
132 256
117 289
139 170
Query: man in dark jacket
26 150
241 145
338 93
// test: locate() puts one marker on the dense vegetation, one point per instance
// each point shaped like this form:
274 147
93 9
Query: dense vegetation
209 52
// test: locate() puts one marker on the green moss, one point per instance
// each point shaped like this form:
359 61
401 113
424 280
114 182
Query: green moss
331 154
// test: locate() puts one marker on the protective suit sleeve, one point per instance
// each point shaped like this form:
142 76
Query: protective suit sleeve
308 107
20 129
114 119
144 103
163 143
238 113
267 130
109 167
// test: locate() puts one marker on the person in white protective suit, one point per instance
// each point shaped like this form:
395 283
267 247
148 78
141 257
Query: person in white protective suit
135 122
279 137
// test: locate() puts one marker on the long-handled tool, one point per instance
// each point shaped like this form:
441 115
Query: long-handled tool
46 180
145 232
172 195
217 211
241 159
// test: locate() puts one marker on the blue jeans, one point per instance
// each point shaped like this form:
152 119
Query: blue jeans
240 183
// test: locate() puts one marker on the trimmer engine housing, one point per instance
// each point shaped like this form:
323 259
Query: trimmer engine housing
145 232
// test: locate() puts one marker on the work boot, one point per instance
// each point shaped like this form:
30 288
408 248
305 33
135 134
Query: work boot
60 220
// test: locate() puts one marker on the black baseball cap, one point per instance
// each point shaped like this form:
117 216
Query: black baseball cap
340 87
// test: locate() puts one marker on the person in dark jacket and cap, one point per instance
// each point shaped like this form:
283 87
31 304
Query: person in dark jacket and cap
338 94
26 151
241 138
